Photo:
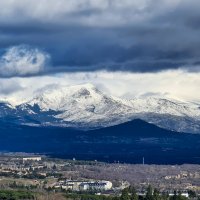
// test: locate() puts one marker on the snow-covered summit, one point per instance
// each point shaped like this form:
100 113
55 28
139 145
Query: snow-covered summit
86 106
80 103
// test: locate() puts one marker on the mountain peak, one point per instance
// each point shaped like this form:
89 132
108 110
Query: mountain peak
85 106
62 98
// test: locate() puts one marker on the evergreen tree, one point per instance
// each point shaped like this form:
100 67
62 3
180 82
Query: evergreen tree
149 194
156 194
125 194
134 195
192 194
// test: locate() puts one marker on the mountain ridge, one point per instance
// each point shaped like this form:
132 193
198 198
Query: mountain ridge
128 142
86 107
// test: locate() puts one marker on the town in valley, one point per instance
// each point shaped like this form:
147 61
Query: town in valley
48 177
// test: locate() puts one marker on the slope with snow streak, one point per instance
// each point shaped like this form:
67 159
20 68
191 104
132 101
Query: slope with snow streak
165 106
167 113
84 106
81 104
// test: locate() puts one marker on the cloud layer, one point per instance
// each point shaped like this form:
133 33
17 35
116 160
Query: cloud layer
176 84
22 61
86 12
126 48
86 35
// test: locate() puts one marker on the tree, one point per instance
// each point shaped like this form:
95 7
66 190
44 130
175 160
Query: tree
133 192
149 194
192 194
125 194
156 194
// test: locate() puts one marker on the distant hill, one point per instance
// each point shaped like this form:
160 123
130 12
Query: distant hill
134 128
127 142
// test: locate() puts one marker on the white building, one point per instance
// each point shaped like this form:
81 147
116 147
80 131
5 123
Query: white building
32 159
84 185
98 185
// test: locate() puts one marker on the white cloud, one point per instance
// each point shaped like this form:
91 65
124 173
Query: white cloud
22 60
177 84
9 86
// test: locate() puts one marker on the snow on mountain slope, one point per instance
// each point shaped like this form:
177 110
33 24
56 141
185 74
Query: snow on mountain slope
6 109
167 113
85 106
80 104
165 106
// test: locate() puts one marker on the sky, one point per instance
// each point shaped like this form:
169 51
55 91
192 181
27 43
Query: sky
126 48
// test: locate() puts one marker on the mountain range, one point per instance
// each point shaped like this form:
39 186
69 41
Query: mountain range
85 107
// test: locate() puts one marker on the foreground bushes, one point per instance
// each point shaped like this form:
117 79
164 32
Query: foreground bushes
128 194
15 195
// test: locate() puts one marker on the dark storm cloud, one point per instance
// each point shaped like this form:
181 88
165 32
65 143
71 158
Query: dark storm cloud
86 35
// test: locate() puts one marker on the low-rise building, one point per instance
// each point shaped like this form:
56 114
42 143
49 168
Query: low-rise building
97 185
31 159
84 185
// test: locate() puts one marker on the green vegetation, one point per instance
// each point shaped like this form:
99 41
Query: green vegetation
151 194
126 194
129 194
87 197
15 195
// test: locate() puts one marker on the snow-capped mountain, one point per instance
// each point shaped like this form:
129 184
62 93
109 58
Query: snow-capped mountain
84 106
81 105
